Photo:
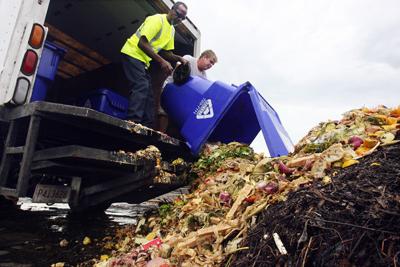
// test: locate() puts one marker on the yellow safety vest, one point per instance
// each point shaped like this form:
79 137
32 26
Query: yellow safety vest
158 31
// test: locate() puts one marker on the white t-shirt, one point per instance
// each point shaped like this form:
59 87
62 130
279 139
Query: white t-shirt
194 70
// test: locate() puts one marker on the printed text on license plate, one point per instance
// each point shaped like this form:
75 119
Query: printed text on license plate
51 194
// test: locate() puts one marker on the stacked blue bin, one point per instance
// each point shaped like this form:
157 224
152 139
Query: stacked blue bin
51 56
105 101
206 111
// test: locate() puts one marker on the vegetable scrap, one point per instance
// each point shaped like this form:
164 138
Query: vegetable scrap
236 193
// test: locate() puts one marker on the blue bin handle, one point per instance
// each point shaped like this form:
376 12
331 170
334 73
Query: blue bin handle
53 60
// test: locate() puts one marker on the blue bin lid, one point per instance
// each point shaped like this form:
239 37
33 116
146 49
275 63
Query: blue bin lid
275 135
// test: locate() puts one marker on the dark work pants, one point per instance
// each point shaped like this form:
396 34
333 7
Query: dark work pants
141 98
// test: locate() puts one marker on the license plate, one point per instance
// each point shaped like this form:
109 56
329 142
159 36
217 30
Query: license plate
51 194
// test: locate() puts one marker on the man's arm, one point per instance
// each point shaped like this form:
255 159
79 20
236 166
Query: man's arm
168 55
146 47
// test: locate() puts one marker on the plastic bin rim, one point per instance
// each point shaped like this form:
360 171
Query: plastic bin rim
55 47
102 91
107 92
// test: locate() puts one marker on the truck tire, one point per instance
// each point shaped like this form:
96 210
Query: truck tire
7 204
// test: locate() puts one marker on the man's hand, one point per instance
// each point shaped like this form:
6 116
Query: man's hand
166 67
146 47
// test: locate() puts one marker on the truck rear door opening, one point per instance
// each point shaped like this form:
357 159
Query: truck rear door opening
58 58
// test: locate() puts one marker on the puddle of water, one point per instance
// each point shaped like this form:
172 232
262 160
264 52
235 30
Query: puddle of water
125 213
56 228
121 213
37 227
26 204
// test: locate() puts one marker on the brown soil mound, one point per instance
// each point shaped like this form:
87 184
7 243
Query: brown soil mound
353 221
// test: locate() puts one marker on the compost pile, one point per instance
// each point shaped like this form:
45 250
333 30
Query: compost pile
352 221
333 201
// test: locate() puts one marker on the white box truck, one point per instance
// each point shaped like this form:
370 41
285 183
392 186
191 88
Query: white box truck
52 148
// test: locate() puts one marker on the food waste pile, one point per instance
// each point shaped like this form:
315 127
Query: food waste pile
333 201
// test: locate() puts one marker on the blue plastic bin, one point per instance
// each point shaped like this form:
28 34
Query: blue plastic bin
206 111
106 101
51 56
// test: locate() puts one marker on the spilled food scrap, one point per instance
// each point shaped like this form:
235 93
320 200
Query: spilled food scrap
233 189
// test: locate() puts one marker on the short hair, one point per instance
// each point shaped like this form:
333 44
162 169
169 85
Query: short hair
209 54
175 6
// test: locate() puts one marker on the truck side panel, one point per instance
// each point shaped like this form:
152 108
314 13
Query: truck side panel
18 17
9 11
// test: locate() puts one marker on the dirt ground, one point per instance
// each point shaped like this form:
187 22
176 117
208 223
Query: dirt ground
352 221
30 238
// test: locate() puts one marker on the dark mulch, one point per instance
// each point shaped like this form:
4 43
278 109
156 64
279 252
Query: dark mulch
354 221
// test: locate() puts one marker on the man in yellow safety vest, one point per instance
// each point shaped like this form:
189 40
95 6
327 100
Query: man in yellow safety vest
154 40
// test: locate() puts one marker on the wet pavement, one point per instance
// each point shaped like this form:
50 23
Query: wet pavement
32 234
